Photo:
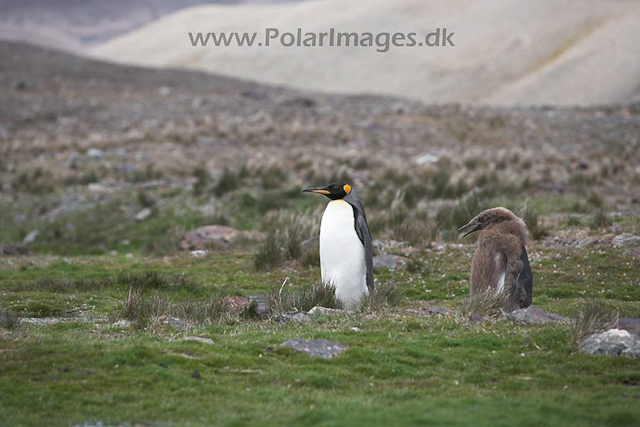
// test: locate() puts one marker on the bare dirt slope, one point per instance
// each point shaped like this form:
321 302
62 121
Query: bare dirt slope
570 52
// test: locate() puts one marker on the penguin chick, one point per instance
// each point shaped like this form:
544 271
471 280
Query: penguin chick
500 263
346 251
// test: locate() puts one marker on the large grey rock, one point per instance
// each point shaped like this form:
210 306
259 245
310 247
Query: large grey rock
394 262
614 342
534 316
317 348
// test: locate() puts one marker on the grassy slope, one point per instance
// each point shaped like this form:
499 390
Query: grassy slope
401 369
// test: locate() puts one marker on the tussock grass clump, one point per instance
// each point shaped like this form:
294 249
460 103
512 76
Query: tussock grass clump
284 239
384 295
227 182
8 319
452 217
487 304
532 220
594 317
145 310
599 220
316 294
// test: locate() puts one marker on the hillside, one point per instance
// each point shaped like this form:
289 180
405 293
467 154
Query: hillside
572 52
75 24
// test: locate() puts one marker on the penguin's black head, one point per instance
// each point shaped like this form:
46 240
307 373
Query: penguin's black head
490 218
334 191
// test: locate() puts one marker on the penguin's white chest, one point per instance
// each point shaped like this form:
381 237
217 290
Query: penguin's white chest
342 259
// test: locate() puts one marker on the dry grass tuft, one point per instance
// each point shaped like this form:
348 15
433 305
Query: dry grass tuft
8 319
384 295
316 294
487 304
594 317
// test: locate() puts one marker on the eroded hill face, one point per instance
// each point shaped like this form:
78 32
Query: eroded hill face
513 52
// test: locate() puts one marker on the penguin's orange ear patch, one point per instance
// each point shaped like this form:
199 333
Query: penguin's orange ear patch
347 188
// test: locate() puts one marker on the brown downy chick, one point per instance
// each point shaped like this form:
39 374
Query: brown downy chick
500 263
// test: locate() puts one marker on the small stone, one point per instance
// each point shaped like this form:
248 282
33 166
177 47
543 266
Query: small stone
476 318
589 241
201 340
31 237
115 336
324 311
65 369
393 262
534 316
122 324
95 153
295 316
355 329
316 348
439 311
175 322
199 253
195 375
143 214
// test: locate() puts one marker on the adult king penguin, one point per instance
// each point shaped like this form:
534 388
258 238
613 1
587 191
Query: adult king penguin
346 252
501 262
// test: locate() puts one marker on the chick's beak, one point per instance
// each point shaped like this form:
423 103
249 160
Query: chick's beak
473 225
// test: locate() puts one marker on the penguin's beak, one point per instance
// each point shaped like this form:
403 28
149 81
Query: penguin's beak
476 226
319 190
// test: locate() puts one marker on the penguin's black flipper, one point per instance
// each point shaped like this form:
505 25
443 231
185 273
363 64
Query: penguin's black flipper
525 281
364 234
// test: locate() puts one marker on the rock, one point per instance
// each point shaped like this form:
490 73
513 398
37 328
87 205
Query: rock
31 237
534 316
94 153
295 316
439 311
476 318
195 375
317 348
201 340
199 253
427 159
625 239
355 329
614 342
175 322
324 311
143 214
235 305
630 325
393 262
115 336
378 245
122 324
589 241
210 236
13 250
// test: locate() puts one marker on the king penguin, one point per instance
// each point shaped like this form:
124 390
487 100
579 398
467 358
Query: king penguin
346 252
500 263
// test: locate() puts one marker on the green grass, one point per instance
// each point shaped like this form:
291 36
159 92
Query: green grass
401 368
